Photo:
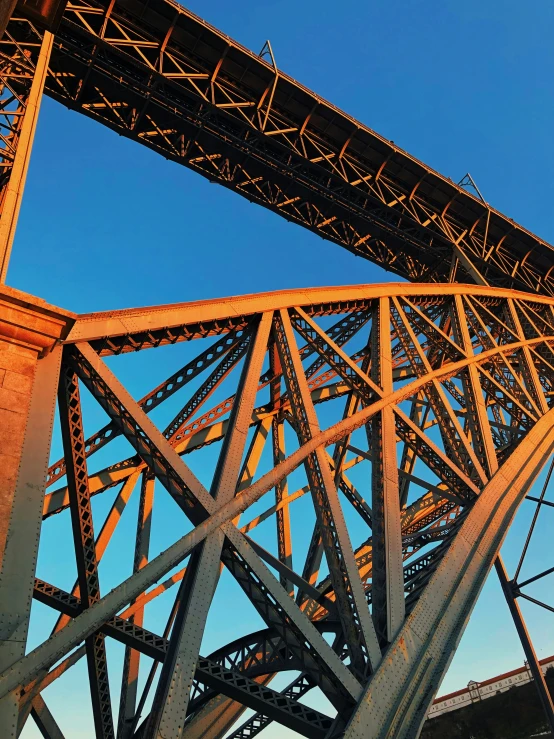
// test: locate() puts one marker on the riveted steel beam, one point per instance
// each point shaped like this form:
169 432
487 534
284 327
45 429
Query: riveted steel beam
419 656
85 545
130 676
359 629
196 591
44 719
387 592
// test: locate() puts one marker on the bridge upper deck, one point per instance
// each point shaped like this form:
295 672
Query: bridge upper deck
155 72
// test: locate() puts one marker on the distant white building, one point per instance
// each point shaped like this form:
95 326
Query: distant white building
480 691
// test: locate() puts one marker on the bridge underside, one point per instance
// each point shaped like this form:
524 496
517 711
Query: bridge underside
308 497
156 73
350 458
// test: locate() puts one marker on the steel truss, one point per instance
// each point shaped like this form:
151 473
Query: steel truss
156 73
415 417
434 403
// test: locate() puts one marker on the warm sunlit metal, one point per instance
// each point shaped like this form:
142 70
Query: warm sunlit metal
155 72
421 416
385 434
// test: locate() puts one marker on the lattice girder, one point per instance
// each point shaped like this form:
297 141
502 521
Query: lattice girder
158 74
425 431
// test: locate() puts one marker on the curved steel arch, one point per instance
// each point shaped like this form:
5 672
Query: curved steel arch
255 655
451 387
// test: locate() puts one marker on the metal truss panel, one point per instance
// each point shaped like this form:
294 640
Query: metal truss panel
158 74
419 656
470 399
169 709
18 130
85 546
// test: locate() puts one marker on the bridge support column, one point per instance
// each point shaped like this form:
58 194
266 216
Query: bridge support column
25 123
30 354
399 695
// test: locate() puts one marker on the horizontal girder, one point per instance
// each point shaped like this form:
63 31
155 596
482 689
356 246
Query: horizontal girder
158 74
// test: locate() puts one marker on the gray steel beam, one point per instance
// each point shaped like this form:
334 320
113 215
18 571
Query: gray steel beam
282 517
360 633
399 695
292 577
197 588
85 546
44 720
387 590
131 661
530 654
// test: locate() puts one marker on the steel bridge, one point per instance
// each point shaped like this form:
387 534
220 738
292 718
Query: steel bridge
393 429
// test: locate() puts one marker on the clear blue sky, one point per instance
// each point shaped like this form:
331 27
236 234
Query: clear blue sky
462 86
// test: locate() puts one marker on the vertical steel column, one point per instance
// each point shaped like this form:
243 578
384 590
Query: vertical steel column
526 643
282 518
85 546
360 635
11 198
153 669
129 682
20 554
387 595
103 538
170 703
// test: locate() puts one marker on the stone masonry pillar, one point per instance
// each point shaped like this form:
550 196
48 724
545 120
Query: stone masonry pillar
30 353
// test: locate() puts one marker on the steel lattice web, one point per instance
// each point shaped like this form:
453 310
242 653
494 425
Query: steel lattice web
156 73
319 489
363 451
